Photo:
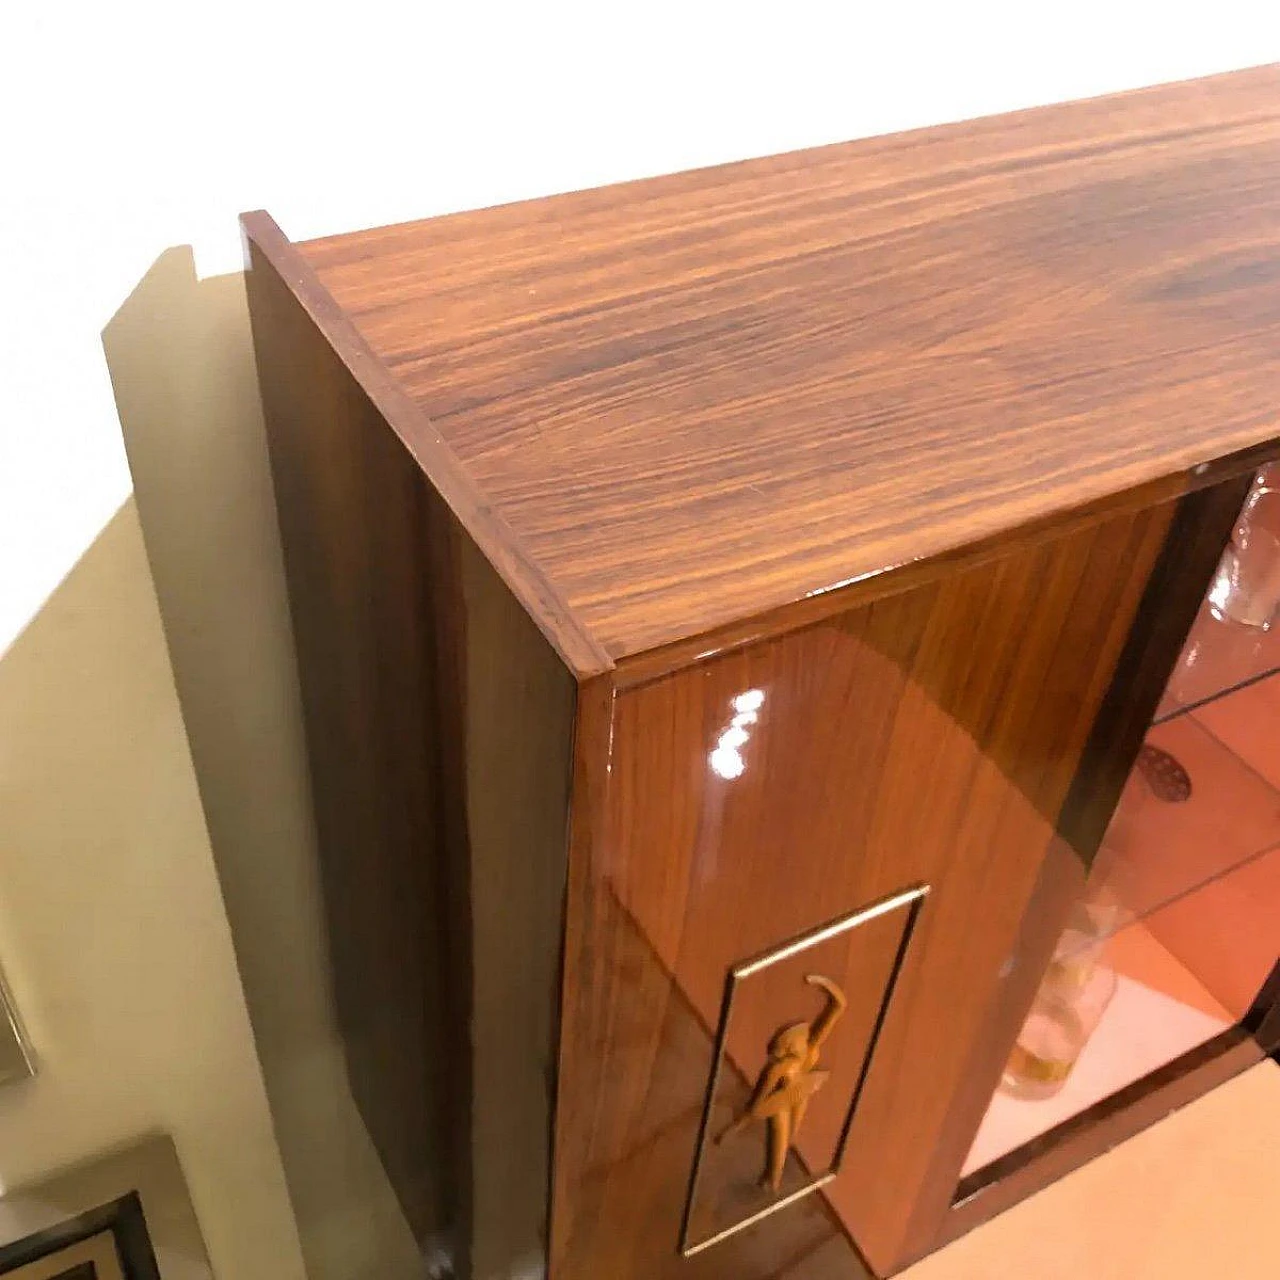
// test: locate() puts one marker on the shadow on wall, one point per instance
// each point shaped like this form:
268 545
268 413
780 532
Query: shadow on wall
114 936
181 361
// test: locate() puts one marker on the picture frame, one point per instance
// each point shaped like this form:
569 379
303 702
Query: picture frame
109 1242
123 1215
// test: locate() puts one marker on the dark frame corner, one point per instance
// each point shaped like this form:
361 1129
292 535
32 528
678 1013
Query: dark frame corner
123 1217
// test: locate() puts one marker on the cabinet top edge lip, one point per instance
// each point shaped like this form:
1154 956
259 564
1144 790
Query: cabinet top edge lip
573 565
1258 84
577 648
645 666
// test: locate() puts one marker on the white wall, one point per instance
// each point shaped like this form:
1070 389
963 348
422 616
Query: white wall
133 126
136 126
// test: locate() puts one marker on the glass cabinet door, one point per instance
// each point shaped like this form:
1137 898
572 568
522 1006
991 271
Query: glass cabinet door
1173 944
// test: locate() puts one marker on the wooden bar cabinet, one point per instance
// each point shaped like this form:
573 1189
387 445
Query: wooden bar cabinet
759 642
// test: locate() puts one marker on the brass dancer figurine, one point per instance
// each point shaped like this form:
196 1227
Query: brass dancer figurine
789 1080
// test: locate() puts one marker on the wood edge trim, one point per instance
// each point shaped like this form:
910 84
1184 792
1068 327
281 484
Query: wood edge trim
568 635
441 596
647 665
1104 1126
1243 80
590 762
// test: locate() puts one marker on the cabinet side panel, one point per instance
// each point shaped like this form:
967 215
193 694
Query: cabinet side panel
438 724
352 520
929 737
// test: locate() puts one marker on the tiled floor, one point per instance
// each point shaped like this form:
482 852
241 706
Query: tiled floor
1248 722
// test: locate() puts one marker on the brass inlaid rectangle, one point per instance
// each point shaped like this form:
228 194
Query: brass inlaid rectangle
910 901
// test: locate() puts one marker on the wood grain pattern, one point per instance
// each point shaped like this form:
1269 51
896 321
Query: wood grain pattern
387 398
930 736
352 509
767 624
697 397
617 1221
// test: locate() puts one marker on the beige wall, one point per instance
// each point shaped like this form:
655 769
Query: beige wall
160 922
112 929
113 822
180 356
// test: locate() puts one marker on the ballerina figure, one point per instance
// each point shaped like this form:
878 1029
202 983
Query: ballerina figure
789 1079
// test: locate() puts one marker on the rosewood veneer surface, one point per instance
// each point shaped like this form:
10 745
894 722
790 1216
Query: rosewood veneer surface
698 397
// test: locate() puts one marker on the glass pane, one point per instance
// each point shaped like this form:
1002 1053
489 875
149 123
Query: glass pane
1148 994
1194 810
1178 928
1219 656
1233 640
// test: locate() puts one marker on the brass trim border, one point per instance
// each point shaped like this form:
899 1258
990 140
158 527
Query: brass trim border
913 900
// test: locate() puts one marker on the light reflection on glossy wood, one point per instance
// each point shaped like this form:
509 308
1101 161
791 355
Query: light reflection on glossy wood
930 736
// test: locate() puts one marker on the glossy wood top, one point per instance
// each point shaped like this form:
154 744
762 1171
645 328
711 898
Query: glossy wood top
697 398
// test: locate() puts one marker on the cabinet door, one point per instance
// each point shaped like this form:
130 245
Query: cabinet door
1156 974
751 806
